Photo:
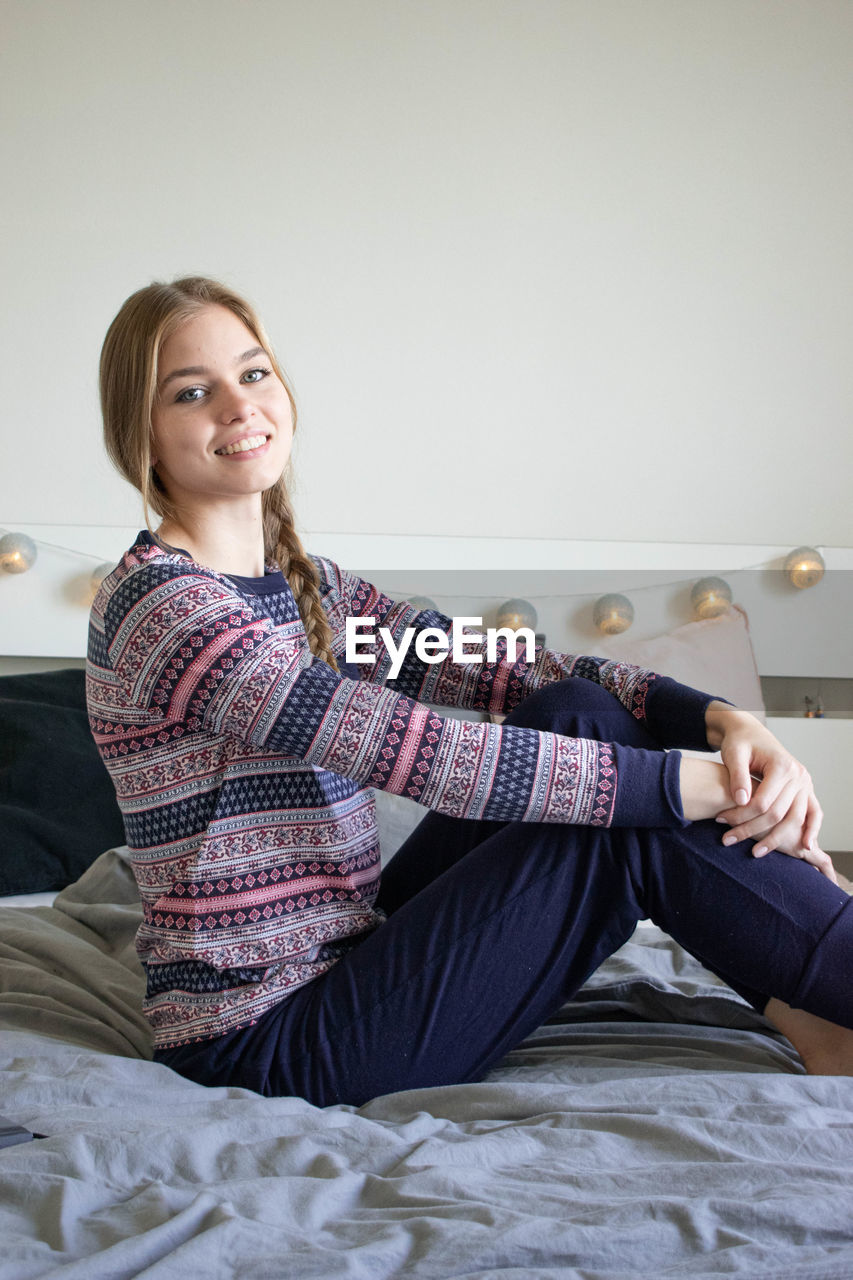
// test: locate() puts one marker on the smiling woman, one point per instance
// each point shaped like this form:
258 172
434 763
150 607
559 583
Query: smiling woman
245 752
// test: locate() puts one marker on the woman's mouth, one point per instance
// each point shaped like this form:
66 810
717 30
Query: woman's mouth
248 446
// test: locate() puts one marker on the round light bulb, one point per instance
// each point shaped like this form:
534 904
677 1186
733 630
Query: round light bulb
18 553
516 614
710 597
613 614
804 567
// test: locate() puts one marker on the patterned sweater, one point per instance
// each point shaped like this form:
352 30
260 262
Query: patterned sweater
244 769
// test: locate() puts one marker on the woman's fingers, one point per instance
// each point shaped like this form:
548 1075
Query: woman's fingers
814 818
782 813
790 835
737 762
765 811
773 796
786 835
823 862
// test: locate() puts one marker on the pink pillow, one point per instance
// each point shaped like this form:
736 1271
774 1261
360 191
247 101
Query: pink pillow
715 656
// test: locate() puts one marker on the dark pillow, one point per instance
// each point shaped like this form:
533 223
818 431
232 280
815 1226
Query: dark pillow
58 808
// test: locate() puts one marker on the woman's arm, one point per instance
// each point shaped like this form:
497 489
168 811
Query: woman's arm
190 656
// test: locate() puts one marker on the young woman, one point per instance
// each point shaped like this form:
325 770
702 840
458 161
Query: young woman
244 751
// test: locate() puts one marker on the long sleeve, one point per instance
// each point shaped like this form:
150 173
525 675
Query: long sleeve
673 713
193 657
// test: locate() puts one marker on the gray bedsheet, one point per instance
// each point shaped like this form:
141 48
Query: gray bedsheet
655 1127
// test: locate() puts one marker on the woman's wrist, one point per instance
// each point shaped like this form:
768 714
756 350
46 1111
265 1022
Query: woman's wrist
719 717
704 788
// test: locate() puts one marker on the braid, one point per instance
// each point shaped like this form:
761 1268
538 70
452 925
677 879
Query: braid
281 541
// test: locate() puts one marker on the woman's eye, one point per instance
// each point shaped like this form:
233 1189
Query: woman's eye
190 395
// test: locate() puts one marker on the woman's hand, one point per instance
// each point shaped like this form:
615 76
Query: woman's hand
774 800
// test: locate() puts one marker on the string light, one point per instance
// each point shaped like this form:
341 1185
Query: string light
710 597
516 614
613 614
18 553
805 567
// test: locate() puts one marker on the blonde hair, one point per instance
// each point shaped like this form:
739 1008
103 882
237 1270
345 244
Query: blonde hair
128 383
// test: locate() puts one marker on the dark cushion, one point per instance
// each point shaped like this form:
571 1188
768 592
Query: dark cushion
58 809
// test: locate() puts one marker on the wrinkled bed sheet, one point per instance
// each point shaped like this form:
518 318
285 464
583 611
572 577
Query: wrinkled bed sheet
655 1127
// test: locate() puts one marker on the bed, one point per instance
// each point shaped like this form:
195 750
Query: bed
655 1126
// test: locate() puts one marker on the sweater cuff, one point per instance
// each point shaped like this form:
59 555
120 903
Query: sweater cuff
675 714
648 788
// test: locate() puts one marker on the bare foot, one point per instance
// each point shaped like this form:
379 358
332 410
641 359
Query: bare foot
825 1048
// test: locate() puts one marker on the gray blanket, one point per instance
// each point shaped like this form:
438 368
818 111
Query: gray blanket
655 1127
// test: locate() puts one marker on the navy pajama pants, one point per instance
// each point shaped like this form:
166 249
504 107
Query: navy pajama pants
491 926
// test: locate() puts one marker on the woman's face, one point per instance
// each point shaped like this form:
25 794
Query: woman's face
222 420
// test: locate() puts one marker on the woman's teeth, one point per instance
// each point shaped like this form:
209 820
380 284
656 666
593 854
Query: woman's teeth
243 446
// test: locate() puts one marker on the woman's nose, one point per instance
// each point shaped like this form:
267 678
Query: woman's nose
234 405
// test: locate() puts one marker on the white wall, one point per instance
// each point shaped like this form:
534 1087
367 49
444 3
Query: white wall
562 268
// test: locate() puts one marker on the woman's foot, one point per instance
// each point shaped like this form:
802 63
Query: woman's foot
825 1048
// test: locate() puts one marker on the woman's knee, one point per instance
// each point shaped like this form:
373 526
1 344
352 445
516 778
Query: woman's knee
580 708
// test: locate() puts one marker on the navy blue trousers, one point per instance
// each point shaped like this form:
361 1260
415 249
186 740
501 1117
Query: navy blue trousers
491 926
